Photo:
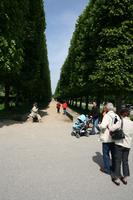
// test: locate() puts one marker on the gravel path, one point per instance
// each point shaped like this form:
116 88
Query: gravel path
42 161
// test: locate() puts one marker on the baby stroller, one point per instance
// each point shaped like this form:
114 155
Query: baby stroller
81 126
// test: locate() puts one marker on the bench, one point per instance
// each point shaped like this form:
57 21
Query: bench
69 115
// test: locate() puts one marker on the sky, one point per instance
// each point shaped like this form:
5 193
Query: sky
61 16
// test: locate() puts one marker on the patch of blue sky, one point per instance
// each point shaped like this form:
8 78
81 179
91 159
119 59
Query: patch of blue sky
61 16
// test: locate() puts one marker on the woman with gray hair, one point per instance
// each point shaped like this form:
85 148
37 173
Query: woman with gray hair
107 143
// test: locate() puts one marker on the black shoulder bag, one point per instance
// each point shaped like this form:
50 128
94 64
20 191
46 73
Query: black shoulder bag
118 134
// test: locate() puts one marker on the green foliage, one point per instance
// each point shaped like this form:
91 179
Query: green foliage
35 72
11 58
23 51
100 59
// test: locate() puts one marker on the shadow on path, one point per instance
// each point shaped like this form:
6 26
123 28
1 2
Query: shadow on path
98 159
18 118
43 113
9 123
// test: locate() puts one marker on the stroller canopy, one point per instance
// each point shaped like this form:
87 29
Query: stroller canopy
82 118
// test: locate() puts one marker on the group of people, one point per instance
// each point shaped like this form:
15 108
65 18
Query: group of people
35 112
116 152
64 107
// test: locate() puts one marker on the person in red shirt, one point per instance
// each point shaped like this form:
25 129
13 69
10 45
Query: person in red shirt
64 106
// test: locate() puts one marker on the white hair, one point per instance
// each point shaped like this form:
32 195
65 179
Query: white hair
110 106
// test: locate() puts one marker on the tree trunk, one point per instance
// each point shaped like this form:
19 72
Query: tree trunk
76 103
98 102
7 91
80 105
118 103
72 102
87 101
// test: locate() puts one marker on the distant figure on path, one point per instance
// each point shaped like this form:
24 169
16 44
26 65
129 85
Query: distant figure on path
58 105
64 106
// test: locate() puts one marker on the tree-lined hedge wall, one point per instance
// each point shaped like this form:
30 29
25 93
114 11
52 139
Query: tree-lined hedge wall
100 60
24 68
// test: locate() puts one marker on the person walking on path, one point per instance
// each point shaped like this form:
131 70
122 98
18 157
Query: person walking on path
105 137
95 118
122 148
58 105
64 106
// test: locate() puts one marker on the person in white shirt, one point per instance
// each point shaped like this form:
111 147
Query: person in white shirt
122 148
107 142
34 112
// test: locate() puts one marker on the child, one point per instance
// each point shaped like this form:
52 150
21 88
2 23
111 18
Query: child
58 105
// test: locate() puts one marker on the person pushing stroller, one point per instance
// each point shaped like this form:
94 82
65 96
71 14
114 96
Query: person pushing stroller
80 127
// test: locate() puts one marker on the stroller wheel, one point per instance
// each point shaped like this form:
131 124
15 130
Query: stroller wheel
72 133
77 135
87 134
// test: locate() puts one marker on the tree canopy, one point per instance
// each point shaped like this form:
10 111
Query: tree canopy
100 60
24 63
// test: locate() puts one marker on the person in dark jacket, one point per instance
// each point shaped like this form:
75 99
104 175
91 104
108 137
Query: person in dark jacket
58 105
95 118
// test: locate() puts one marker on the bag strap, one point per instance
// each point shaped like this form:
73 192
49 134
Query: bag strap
121 123
114 119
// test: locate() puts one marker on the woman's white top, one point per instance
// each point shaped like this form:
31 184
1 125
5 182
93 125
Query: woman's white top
106 124
128 131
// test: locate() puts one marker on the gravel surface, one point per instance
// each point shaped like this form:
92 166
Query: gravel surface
42 161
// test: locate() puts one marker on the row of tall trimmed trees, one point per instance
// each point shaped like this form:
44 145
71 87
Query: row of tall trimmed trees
24 68
99 64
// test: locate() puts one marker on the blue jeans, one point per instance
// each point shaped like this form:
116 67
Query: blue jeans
64 111
95 126
108 148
